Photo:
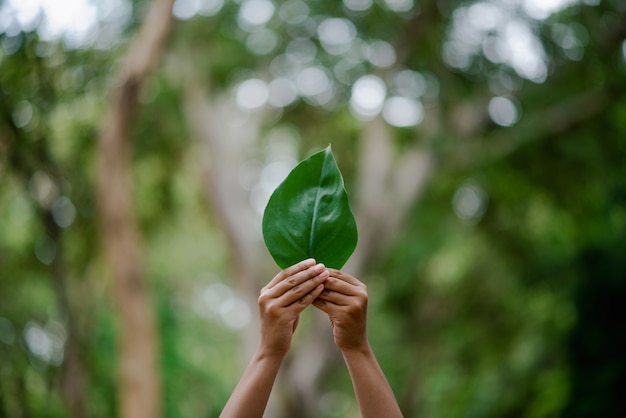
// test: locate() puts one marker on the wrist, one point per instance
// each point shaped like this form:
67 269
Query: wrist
263 353
361 348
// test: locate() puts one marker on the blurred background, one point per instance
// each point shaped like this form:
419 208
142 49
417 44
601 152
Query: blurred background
483 149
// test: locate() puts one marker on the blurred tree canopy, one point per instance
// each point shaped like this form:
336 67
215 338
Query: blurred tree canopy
483 147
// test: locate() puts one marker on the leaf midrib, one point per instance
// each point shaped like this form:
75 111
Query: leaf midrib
317 201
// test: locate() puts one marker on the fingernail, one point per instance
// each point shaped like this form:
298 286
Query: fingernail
309 261
319 267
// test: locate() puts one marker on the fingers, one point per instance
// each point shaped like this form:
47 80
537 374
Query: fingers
345 277
307 299
290 271
295 284
306 285
340 289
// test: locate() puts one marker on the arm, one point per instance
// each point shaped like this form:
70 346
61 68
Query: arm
344 300
280 304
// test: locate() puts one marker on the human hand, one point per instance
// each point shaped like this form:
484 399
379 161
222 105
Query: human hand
282 300
344 300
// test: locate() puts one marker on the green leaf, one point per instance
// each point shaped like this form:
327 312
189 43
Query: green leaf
309 215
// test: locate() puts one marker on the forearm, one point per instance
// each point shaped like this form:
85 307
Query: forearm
251 394
373 393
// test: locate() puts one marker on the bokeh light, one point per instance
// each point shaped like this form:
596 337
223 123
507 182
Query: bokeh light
63 212
358 5
336 35
255 13
469 202
403 112
497 31
381 54
282 92
504 111
78 23
218 301
368 97
294 12
399 5
262 41
46 343
252 94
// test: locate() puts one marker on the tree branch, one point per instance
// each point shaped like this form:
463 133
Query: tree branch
139 389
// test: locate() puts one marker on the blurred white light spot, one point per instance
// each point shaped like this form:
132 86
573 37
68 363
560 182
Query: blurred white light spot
399 5
294 12
541 9
218 301
495 50
282 146
210 7
368 96
255 13
503 111
7 331
185 9
43 189
567 38
484 16
235 313
63 212
252 94
262 42
455 55
23 113
358 5
495 29
381 54
527 54
285 65
409 83
403 112
259 196
45 343
312 81
336 35
282 92
274 173
77 23
214 295
304 50
469 202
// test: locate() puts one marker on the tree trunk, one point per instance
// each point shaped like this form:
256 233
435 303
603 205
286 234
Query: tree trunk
139 388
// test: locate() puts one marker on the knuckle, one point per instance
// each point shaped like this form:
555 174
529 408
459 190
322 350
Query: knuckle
272 308
262 299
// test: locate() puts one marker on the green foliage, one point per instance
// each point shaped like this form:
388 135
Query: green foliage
309 216
512 311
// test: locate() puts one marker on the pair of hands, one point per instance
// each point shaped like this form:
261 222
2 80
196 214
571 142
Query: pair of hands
342 297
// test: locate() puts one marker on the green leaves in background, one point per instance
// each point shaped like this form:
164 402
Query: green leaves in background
309 215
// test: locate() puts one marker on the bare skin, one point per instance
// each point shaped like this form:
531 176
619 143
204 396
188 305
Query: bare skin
344 299
280 305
